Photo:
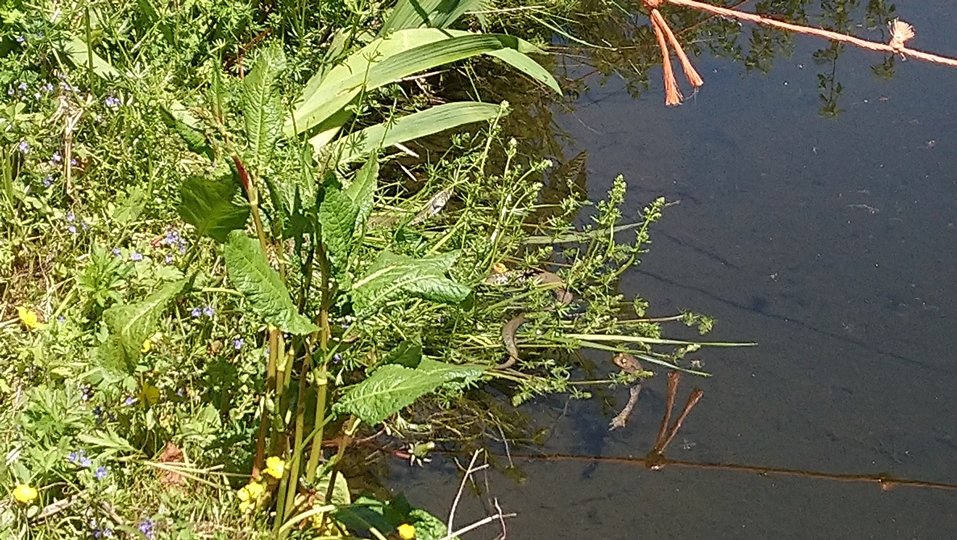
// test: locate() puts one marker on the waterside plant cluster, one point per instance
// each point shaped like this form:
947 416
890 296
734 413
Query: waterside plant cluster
238 237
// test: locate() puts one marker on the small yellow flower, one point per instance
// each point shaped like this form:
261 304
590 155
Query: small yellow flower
250 495
149 393
24 493
406 531
275 466
29 318
499 268
147 346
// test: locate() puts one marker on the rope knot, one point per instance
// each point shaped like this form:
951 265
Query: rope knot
900 32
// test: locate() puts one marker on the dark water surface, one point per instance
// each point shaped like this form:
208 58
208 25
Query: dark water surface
830 242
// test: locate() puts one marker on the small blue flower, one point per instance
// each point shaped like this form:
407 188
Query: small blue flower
129 401
116 252
336 358
208 311
22 87
24 146
101 473
196 312
21 39
238 343
168 259
71 229
56 157
48 181
79 458
70 217
146 527
61 319
86 392
136 256
47 87
112 102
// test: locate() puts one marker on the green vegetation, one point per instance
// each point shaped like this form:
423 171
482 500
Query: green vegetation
232 243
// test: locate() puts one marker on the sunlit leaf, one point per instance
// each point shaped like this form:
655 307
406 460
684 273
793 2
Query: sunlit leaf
410 127
207 205
393 275
392 387
362 189
390 59
337 216
131 324
262 286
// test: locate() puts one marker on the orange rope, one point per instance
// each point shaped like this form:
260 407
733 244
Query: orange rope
900 33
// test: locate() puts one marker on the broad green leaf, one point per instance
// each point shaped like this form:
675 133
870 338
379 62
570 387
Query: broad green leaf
131 324
337 217
407 353
262 286
81 56
207 205
393 275
179 119
362 189
261 106
410 127
387 60
392 387
427 13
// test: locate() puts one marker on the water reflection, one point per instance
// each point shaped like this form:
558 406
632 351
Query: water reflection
827 240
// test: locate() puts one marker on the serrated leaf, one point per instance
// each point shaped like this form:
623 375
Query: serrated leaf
362 189
393 275
261 106
337 217
393 387
207 205
131 324
262 286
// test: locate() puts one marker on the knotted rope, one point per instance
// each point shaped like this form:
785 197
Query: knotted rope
900 33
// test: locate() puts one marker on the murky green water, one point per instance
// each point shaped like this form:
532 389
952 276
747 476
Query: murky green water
830 241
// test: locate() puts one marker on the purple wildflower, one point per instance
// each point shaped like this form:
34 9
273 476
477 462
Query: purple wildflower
129 401
56 157
238 343
22 87
146 527
71 229
24 146
196 312
101 473
48 181
136 256
47 87
21 39
70 217
112 102
116 252
208 311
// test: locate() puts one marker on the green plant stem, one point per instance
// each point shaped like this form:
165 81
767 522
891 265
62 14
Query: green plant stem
351 425
322 377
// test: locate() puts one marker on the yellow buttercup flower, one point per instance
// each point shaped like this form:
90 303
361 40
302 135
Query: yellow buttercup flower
250 495
24 493
147 346
275 466
406 531
29 318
